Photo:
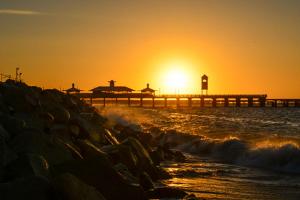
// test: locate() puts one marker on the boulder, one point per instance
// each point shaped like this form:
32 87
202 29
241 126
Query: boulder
146 181
12 124
26 166
122 154
69 187
99 173
50 148
89 150
4 134
34 187
145 162
60 114
6 154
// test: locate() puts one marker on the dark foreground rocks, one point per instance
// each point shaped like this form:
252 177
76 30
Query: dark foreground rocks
55 146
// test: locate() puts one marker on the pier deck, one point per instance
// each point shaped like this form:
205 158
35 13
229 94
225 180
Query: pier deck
188 100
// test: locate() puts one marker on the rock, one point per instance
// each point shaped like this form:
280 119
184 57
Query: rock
34 187
34 143
47 119
146 181
126 174
4 134
6 154
69 187
89 150
13 125
166 193
122 154
26 166
99 173
74 130
145 162
110 138
15 97
191 197
61 131
60 114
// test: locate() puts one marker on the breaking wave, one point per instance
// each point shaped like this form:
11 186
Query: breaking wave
281 157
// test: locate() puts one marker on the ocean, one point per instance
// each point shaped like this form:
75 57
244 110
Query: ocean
233 153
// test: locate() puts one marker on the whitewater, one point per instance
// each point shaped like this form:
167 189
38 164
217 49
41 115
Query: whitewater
233 153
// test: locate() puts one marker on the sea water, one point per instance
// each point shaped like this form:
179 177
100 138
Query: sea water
233 153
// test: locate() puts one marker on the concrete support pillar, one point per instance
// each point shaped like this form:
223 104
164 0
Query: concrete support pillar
274 103
238 102
202 103
190 102
214 102
141 102
129 102
104 102
285 104
91 100
116 101
177 102
250 102
226 102
262 102
153 103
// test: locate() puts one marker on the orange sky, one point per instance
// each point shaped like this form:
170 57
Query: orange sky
243 46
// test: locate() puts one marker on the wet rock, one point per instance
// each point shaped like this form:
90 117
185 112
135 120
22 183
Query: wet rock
166 193
146 181
61 131
191 197
13 125
26 166
122 154
99 173
125 173
47 120
89 150
31 142
74 130
34 187
4 134
60 114
69 187
145 162
110 138
6 154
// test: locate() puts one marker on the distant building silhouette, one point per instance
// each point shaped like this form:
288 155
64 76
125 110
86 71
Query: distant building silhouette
148 90
204 84
73 90
112 88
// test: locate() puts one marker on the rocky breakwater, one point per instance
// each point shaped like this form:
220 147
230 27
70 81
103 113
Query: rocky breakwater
55 146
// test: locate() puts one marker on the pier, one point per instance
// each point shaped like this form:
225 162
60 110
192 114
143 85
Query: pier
184 100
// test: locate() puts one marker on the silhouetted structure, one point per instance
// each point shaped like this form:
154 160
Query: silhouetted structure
111 89
148 90
204 83
73 90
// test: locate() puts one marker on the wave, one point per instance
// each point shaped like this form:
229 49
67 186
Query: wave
281 157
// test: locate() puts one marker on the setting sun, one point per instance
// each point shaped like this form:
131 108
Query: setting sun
178 76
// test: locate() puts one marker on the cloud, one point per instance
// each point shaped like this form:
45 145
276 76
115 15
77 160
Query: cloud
19 12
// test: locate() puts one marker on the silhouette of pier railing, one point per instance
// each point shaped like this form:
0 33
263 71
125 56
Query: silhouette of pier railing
187 100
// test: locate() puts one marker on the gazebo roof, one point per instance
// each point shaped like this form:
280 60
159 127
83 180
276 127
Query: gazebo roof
147 89
73 89
112 89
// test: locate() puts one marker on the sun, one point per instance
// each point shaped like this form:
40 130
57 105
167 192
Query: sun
176 77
